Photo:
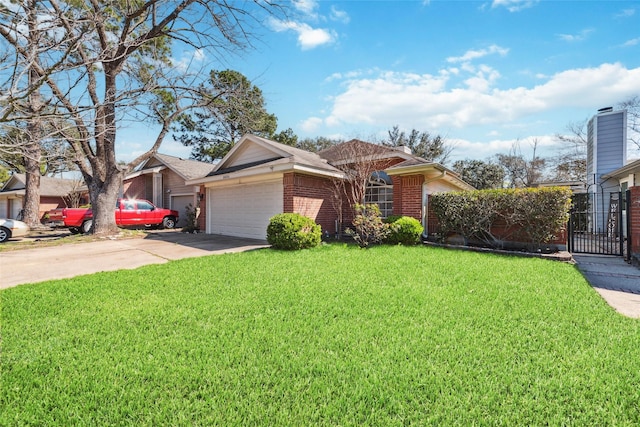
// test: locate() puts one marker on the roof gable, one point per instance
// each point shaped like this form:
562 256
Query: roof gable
17 181
357 150
49 186
253 151
250 151
185 168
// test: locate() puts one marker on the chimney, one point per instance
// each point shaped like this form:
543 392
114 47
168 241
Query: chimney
404 149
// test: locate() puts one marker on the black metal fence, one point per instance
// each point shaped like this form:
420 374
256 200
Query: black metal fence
597 224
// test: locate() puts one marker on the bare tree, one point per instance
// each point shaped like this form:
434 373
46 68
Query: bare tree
73 198
28 30
632 105
570 164
111 64
519 171
358 160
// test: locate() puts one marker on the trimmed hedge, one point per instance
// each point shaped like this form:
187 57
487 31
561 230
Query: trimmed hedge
291 231
405 230
533 216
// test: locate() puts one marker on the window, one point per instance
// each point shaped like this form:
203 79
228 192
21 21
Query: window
379 191
144 206
128 205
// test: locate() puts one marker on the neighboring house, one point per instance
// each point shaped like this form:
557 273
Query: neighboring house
54 193
161 180
625 177
260 178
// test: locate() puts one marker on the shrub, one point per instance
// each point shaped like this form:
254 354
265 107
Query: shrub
191 218
291 231
533 216
369 227
404 230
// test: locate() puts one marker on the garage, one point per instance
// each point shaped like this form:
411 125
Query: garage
243 210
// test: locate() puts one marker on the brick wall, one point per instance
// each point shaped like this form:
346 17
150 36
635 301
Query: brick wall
310 196
407 195
634 220
135 188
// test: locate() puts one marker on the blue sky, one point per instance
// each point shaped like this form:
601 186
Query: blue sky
481 73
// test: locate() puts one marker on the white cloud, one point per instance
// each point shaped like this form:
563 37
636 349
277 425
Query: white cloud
485 149
188 59
475 54
435 102
626 13
339 15
308 37
514 5
632 42
582 35
311 124
307 7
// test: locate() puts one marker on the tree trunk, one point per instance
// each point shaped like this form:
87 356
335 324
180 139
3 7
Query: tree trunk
104 195
32 149
31 204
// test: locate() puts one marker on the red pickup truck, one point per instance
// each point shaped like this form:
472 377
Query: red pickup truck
129 212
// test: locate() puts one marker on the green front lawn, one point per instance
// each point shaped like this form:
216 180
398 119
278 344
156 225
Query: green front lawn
332 336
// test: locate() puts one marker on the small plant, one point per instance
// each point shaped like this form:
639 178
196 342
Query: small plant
404 230
291 231
369 226
191 215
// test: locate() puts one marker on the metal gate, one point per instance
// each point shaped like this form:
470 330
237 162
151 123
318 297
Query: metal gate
598 224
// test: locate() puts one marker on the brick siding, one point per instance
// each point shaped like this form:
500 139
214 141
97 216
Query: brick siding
136 188
407 195
310 196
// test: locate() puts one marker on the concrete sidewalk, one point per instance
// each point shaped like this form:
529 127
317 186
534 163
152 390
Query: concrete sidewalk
615 280
69 260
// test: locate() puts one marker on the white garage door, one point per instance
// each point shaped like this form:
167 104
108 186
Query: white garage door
243 210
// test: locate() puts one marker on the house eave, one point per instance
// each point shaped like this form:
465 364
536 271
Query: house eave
266 169
626 170
424 169
154 170
20 192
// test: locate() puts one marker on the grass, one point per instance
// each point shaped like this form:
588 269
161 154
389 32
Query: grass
332 336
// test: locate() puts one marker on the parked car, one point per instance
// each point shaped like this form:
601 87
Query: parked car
128 212
10 228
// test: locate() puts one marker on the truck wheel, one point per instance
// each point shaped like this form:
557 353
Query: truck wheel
5 234
168 222
86 226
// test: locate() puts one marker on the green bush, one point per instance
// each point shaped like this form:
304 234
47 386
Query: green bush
293 231
533 216
405 230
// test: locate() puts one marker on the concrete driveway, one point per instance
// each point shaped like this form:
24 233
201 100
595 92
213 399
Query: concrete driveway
69 260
